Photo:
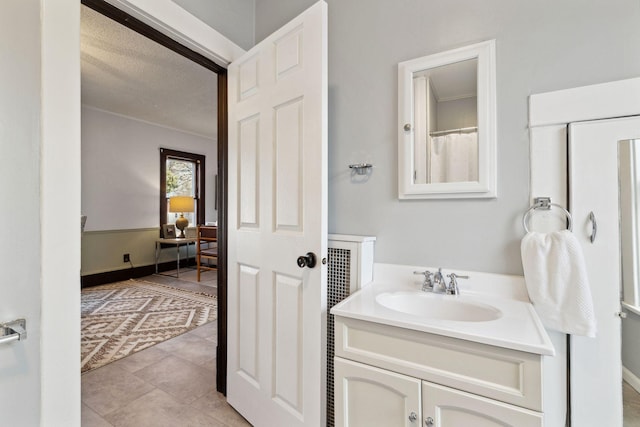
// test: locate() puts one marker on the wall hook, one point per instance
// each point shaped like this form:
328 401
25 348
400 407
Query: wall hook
361 168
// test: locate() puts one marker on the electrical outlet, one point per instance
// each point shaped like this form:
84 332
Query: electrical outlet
126 258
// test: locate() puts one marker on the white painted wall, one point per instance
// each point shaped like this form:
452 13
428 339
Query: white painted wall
541 46
121 169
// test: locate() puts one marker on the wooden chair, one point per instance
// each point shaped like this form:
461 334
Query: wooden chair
206 247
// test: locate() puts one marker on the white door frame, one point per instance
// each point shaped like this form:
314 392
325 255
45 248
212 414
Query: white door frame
60 144
549 114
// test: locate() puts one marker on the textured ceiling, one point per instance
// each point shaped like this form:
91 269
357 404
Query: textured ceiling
126 73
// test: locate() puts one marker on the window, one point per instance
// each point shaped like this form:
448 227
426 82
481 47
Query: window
181 174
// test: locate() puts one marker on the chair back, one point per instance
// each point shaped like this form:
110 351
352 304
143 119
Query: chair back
208 232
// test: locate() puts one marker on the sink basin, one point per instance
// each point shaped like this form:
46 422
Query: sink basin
437 306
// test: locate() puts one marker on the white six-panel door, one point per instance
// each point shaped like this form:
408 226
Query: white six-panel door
596 367
278 212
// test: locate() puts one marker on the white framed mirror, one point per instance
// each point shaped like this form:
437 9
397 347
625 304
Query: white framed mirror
447 124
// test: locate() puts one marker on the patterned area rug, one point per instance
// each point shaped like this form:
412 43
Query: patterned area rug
122 318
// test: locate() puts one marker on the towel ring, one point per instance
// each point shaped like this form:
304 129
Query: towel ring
545 203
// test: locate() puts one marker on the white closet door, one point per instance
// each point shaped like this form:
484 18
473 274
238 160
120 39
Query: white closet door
596 367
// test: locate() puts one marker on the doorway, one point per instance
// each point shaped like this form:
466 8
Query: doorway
115 14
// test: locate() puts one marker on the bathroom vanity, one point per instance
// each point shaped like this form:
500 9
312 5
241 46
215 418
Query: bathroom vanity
405 357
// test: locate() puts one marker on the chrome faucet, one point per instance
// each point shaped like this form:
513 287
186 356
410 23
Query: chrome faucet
439 284
427 284
435 282
452 287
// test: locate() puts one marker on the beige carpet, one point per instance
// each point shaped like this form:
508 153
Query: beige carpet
122 318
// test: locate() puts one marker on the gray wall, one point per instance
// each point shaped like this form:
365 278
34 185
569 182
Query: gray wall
111 181
232 18
121 169
631 342
541 46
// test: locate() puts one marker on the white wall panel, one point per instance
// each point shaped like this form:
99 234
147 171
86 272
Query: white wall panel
248 315
248 82
288 339
249 172
289 52
288 167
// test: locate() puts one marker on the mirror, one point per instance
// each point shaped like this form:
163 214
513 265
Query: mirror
628 213
628 163
447 121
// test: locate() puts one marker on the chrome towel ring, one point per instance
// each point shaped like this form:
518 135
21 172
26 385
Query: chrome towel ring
545 203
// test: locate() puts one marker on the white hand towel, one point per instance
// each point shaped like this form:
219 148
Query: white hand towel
556 278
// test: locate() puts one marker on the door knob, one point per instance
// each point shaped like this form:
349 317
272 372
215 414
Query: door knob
308 260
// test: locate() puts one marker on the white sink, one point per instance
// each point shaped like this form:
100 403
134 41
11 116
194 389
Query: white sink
491 309
438 306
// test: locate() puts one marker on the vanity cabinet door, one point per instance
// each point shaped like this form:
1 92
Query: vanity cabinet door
447 407
366 396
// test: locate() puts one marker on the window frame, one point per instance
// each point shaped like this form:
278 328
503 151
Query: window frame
199 191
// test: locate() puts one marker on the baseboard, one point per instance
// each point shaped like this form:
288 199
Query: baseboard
631 379
129 273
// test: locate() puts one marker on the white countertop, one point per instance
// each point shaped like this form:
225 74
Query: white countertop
518 327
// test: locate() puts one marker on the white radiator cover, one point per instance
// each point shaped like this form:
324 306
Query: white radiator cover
350 267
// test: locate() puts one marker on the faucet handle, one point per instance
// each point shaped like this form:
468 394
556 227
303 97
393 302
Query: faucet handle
425 273
427 284
452 288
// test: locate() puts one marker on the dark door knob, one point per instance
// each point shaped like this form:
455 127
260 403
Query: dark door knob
308 260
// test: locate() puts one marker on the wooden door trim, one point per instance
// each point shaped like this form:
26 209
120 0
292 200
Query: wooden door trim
112 12
221 194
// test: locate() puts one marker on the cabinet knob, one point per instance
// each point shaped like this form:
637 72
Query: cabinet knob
413 416
429 422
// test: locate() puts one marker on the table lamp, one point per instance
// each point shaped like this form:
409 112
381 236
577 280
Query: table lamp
181 204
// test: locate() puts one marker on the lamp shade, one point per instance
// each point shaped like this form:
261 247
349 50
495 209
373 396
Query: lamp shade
181 204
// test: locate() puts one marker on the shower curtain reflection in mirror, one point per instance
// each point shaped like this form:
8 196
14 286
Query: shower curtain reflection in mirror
446 128
454 157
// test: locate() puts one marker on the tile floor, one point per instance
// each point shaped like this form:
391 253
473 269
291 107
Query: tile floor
631 406
169 384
